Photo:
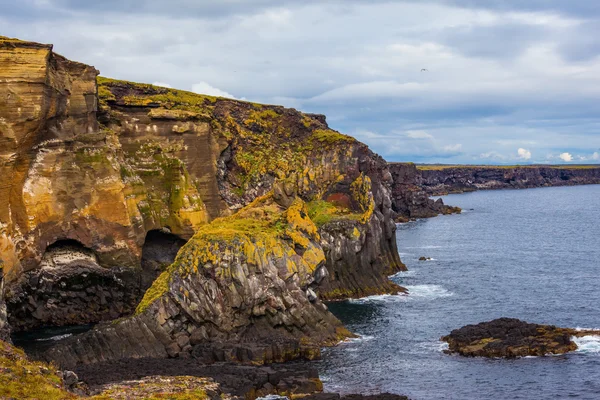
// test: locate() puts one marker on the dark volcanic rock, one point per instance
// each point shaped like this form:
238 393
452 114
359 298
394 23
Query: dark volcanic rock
409 199
510 338
458 179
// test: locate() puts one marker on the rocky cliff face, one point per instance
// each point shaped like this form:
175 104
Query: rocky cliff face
409 198
109 179
457 179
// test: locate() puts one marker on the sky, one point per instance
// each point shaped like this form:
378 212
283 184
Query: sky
505 81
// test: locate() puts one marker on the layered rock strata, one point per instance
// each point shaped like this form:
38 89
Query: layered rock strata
511 338
95 165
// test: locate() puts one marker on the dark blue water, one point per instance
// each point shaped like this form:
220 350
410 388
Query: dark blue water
531 254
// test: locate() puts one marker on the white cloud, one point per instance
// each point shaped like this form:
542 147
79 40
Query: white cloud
453 148
596 156
567 157
524 154
161 84
418 134
208 89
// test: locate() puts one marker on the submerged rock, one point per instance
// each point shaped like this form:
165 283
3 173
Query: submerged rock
510 338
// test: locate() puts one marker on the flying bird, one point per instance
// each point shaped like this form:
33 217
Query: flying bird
424 70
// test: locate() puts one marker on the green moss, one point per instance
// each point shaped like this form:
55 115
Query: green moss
24 379
328 136
322 212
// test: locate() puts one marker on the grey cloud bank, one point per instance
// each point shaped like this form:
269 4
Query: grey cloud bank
506 82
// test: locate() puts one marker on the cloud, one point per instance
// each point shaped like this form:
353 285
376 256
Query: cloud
514 74
161 84
524 154
453 148
418 135
206 88
596 156
566 157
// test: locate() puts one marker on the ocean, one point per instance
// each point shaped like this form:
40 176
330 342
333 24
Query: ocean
531 254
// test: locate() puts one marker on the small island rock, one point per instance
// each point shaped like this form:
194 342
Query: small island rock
511 338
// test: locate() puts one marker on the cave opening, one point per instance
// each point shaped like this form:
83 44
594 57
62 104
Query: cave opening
159 251
70 288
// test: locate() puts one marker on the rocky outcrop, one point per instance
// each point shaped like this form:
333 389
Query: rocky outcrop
95 165
457 179
409 198
239 290
510 338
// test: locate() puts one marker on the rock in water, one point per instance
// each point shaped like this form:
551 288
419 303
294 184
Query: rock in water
510 338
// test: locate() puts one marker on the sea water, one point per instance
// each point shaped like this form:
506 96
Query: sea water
530 254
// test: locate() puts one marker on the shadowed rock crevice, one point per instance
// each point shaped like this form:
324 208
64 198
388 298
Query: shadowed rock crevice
70 287
159 251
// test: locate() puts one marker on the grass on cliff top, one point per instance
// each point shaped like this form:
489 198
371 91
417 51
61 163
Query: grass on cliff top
436 167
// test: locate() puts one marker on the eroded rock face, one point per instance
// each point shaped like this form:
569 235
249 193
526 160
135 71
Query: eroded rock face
70 288
510 338
238 291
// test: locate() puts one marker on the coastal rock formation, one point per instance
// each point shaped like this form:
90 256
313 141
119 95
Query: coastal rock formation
409 199
239 290
107 179
457 179
510 338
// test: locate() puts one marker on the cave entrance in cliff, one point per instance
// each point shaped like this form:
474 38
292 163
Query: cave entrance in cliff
71 287
159 251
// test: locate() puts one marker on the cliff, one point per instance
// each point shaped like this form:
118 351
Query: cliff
409 197
438 180
200 226
414 184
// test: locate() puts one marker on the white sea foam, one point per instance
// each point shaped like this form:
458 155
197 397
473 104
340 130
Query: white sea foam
403 274
587 344
415 292
56 338
360 338
427 291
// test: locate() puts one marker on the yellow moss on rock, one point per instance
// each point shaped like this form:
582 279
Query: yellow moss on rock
21 378
257 232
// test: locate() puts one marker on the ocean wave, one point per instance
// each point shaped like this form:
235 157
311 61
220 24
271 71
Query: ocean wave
415 292
424 247
55 338
359 339
427 291
587 344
